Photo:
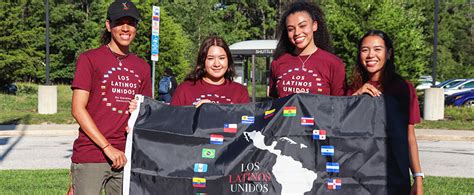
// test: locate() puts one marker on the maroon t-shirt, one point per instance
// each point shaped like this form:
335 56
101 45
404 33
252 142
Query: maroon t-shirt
111 86
405 93
323 73
189 93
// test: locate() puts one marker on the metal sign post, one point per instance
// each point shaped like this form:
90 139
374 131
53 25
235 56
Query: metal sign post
155 42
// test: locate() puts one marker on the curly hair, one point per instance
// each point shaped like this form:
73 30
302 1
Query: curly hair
321 36
200 71
360 75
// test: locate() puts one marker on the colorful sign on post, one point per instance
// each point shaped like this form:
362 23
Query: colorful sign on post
155 33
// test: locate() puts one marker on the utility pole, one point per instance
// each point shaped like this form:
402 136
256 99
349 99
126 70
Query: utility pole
47 42
435 43
47 94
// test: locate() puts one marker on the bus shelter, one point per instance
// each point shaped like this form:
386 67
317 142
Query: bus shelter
243 51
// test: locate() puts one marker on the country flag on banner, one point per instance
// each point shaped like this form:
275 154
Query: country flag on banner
199 182
307 121
289 111
200 167
230 128
269 113
334 184
327 150
332 167
208 153
217 139
248 119
319 134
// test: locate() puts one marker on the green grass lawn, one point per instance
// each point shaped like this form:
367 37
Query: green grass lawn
22 109
454 118
56 182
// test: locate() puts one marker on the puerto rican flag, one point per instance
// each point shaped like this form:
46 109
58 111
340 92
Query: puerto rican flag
334 184
307 121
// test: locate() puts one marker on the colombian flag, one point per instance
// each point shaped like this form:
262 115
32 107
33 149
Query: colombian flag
199 182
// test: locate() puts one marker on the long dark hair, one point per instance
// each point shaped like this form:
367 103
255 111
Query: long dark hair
360 75
199 70
321 36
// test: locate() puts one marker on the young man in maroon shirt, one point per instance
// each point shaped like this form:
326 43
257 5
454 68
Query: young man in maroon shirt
106 79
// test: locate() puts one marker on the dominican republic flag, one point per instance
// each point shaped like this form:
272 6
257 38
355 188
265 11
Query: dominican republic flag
289 111
334 184
230 128
332 167
200 167
327 150
199 182
248 119
307 121
319 134
217 139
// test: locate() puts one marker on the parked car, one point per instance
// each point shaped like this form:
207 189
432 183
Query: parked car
465 98
425 82
10 88
466 85
449 83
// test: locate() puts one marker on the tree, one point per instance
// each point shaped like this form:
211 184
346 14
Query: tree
174 43
20 53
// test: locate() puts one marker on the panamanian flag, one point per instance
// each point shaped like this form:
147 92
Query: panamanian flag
319 134
334 184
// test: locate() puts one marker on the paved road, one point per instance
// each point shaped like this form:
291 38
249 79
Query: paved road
447 158
35 152
438 158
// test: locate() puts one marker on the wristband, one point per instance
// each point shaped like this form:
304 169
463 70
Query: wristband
103 148
422 175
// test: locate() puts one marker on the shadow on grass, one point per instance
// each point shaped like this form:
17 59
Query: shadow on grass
12 123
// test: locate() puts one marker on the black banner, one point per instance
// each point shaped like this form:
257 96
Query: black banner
301 144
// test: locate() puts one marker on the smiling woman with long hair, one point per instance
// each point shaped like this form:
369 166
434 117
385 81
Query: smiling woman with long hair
211 81
303 62
375 74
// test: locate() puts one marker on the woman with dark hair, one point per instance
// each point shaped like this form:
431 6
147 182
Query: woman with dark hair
106 79
211 81
375 74
302 62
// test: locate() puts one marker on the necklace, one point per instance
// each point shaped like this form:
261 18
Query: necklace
119 57
303 62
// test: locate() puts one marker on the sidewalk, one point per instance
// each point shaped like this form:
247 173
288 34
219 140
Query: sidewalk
51 130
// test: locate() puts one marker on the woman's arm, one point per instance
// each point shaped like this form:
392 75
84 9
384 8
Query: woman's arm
415 167
82 116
